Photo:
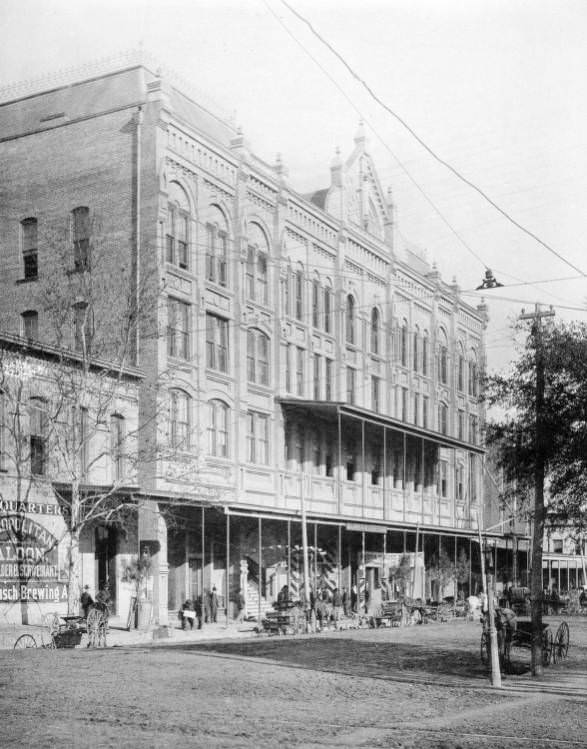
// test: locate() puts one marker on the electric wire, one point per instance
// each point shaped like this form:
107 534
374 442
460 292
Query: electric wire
426 147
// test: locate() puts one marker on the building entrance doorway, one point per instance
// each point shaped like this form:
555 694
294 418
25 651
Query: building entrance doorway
105 554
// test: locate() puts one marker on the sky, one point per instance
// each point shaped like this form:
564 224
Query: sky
497 89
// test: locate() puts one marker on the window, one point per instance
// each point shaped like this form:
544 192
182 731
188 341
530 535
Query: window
405 402
317 367
299 293
443 478
177 328
425 348
257 357
327 310
257 438
557 546
117 435
416 351
460 481
81 238
328 379
443 418
299 370
299 447
216 343
262 284
473 428
82 328
425 411
315 303
180 420
350 319
461 371
285 294
38 436
404 344
316 451
218 429
443 359
350 385
288 373
30 325
29 243
250 273
177 227
257 285
216 254
375 382
473 377
416 408
351 460
461 431
375 331
473 477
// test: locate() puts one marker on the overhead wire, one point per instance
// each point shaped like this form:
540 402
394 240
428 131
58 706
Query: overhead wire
426 147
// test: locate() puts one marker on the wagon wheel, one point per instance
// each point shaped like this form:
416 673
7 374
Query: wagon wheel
547 647
25 641
92 626
561 642
485 648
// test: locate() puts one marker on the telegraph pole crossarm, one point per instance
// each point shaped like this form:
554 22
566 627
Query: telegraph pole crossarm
539 474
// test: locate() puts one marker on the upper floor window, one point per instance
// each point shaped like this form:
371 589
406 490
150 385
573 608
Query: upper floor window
350 320
316 303
217 251
30 251
216 343
180 420
461 425
443 478
351 377
30 325
443 418
460 481
416 350
177 227
473 376
177 328
300 354
257 438
375 331
257 281
81 238
38 436
404 344
257 357
443 359
327 309
375 393
461 369
473 429
299 293
328 365
317 359
117 452
218 428
425 353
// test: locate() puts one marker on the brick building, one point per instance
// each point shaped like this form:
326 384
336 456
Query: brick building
303 359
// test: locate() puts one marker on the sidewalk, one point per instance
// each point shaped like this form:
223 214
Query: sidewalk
119 636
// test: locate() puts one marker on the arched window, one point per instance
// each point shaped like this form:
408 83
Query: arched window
425 352
257 282
443 418
257 357
218 428
38 436
473 374
375 332
442 358
416 350
216 248
460 368
299 293
316 303
30 325
327 309
180 420
350 319
177 227
404 344
80 229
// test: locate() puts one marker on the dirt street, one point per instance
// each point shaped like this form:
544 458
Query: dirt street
413 687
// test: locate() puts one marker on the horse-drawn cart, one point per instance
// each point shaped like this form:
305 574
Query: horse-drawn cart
555 646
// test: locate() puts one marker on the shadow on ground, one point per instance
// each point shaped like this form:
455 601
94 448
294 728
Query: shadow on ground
359 658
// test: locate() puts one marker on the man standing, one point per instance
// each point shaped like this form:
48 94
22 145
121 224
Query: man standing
86 601
214 605
346 602
336 608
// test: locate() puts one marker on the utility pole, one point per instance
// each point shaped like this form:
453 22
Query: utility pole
539 471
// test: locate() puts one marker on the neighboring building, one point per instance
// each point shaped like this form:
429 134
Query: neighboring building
306 360
52 433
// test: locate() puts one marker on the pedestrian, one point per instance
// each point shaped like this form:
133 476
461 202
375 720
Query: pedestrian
336 607
188 614
214 605
354 599
206 602
86 601
199 609
242 606
346 602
